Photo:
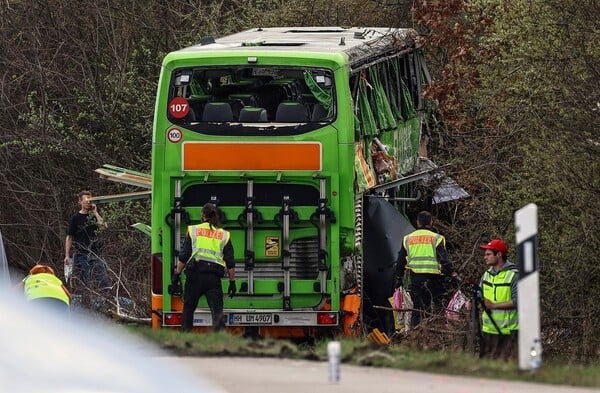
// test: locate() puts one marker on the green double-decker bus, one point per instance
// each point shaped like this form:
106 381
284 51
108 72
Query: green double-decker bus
307 140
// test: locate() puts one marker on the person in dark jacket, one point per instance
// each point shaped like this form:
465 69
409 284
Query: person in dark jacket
206 253
424 255
83 244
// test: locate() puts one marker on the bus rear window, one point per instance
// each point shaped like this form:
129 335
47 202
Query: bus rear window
251 97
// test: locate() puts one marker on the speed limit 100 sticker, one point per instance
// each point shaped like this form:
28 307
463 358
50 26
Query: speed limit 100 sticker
179 107
174 135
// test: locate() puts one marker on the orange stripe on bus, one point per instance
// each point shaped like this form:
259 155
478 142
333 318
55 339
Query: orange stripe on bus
205 156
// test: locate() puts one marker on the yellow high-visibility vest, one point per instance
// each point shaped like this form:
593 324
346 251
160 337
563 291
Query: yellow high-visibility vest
420 248
496 288
208 242
44 285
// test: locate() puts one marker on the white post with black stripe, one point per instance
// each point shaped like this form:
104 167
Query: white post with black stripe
526 223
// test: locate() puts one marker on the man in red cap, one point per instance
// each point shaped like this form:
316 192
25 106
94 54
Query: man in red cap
500 324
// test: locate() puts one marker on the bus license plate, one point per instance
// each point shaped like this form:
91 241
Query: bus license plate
250 319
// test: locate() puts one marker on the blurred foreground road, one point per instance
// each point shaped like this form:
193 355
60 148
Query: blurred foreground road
271 375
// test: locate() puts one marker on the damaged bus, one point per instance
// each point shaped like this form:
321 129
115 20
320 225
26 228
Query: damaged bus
307 140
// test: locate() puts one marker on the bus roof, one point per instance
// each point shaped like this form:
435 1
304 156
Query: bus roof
356 42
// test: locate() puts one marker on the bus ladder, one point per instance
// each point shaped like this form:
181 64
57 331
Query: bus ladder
251 214
177 214
286 212
325 214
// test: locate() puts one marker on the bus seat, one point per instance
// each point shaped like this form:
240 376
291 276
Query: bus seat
217 111
318 112
308 99
236 105
200 98
197 103
270 95
288 85
250 114
247 99
291 112
191 117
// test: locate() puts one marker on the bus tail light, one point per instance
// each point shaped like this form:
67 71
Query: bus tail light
173 319
156 273
327 318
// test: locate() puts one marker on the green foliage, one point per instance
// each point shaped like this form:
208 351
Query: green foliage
551 92
265 13
529 138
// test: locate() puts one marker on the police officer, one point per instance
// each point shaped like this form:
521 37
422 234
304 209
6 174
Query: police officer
424 254
42 287
206 252
500 325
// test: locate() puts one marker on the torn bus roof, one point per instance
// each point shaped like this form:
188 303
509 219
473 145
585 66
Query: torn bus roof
127 196
448 189
126 176
144 228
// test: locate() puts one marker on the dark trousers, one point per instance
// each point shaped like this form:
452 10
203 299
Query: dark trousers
92 267
499 346
426 292
200 283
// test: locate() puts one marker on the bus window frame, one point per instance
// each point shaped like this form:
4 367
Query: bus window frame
236 128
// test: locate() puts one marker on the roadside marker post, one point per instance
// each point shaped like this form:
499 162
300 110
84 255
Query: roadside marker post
530 349
334 352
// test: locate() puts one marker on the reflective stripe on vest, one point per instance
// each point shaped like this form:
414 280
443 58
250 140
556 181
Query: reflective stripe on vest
44 285
420 248
208 243
496 288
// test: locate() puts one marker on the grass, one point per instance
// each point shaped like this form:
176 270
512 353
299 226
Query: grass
366 353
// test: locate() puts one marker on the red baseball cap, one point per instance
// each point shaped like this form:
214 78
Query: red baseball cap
495 244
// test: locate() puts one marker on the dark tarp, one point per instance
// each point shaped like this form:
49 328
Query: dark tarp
383 230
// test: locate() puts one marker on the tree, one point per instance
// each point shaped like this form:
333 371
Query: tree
519 102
